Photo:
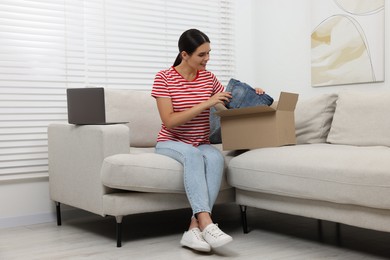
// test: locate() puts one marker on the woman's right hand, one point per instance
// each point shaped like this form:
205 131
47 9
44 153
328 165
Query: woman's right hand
220 98
171 119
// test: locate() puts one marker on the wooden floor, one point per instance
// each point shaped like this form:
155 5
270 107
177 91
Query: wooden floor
157 235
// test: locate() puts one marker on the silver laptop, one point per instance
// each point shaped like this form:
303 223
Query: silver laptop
86 106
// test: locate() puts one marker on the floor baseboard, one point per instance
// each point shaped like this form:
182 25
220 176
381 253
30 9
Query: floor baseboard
27 220
41 218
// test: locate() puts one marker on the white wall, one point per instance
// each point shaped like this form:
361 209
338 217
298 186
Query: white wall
25 202
272 52
244 41
273 47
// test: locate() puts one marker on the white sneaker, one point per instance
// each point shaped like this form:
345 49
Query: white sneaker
215 237
193 239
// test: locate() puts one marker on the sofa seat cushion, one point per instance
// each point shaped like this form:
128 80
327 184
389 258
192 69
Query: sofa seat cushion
146 172
334 173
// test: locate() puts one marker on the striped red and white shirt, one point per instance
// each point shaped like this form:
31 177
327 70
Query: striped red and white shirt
184 95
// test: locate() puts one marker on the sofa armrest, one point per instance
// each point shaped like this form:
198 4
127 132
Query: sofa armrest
76 154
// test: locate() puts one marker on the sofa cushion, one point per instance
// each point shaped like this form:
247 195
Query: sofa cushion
313 118
335 173
138 108
361 118
146 172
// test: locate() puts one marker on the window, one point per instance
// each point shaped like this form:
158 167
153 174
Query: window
48 46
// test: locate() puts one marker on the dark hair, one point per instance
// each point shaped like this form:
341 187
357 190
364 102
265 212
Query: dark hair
189 41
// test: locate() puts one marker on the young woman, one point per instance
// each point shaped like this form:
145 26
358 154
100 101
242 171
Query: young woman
184 94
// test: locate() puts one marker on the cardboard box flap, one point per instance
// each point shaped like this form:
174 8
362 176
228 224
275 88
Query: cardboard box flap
245 111
287 101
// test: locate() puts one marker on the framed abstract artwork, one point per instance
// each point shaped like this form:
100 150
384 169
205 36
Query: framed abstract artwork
347 42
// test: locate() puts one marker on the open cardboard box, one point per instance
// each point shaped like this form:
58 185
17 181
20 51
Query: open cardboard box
259 126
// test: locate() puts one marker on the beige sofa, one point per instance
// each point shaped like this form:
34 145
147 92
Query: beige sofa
338 171
112 170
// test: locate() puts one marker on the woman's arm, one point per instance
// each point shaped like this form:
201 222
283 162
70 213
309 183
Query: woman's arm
172 119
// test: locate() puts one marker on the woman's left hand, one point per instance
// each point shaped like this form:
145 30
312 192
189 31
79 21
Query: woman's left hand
259 91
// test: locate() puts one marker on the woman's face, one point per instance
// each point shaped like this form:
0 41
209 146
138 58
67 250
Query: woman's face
198 60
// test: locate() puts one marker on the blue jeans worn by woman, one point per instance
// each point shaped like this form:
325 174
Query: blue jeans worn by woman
243 95
203 170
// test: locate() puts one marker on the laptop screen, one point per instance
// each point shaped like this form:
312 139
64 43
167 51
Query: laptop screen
86 106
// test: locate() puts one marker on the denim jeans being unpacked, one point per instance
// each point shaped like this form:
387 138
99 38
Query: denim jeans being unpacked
243 95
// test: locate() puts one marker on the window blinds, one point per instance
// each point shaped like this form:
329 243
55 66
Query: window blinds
47 46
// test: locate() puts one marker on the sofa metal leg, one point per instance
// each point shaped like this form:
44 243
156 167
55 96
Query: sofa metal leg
58 211
338 234
319 229
119 231
243 219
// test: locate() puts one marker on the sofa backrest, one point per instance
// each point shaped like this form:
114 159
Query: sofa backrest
313 118
361 118
351 117
138 108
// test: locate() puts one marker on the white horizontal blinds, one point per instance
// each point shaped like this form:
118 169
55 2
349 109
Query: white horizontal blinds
132 40
213 18
124 43
32 62
221 36
142 22
75 49
47 46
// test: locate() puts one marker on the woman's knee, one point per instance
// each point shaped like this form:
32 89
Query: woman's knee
213 155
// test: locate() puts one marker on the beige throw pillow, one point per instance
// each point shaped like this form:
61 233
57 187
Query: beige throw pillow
313 118
137 107
362 119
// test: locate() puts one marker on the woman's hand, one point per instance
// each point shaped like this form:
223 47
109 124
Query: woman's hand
259 91
172 119
219 98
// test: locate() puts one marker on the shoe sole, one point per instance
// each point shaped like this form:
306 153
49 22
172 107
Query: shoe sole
189 245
